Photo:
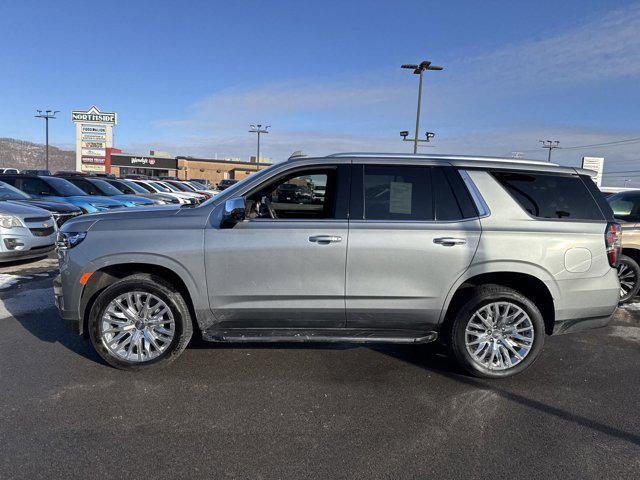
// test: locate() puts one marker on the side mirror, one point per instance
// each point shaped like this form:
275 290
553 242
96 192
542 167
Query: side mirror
234 212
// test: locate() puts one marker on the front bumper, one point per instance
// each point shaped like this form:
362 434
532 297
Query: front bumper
33 252
69 318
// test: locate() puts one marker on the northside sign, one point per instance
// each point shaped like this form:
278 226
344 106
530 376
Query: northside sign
93 115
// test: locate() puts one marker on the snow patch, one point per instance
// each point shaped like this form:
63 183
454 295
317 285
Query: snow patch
7 280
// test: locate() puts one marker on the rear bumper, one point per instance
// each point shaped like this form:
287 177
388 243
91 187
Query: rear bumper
586 303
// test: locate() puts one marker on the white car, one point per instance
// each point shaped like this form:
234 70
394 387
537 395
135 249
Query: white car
198 197
156 187
25 232
201 188
9 170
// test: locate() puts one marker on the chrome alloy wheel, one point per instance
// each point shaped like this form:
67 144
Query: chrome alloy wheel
137 327
628 279
499 335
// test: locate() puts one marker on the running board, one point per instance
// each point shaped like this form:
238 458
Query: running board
333 335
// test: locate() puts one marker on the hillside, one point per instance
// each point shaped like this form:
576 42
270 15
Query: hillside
21 154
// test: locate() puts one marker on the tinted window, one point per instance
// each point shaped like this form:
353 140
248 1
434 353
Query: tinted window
61 187
625 207
397 193
35 186
86 186
447 207
551 195
105 187
121 187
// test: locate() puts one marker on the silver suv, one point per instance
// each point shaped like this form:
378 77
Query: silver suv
489 255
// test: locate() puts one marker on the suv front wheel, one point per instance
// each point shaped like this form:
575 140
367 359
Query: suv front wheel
497 333
139 321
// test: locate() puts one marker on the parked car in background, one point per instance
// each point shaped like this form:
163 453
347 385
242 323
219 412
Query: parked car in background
99 186
61 211
36 172
626 209
197 187
182 190
132 188
155 187
226 183
487 254
26 232
9 170
202 181
60 190
184 186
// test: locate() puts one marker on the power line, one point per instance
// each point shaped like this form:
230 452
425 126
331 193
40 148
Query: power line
627 141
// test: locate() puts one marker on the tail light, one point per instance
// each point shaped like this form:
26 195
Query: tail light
613 242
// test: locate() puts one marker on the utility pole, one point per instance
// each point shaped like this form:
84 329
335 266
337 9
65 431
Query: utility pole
550 145
419 70
258 129
46 115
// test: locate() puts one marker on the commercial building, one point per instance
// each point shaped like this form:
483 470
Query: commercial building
158 164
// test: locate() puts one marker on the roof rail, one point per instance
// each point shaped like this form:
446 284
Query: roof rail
432 156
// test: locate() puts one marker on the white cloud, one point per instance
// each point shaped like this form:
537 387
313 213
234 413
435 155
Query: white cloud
470 103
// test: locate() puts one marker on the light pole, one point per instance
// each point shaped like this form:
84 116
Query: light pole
46 115
419 70
258 129
550 145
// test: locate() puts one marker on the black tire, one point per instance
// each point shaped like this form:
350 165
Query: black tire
158 287
481 296
630 269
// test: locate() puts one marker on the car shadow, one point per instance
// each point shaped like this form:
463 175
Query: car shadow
43 321
436 361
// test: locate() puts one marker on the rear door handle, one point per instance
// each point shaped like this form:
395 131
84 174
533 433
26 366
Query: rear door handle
325 239
449 241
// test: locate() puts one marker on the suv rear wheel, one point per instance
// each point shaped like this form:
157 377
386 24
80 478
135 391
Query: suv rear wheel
139 321
629 276
497 333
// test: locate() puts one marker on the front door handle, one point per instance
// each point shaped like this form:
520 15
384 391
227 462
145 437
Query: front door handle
325 239
449 241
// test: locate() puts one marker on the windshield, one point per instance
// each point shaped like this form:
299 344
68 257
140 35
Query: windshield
160 187
105 187
197 185
63 187
171 187
8 192
133 186
187 186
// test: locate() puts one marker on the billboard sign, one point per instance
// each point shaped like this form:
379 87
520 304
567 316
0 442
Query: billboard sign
93 160
597 165
93 115
94 129
93 144
93 152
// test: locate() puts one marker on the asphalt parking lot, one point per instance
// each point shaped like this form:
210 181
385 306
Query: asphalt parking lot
291 411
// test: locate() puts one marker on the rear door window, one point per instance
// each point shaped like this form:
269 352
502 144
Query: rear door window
549 196
401 192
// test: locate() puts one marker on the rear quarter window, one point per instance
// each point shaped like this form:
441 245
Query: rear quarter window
551 196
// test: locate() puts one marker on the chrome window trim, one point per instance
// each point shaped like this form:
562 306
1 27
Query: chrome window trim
476 196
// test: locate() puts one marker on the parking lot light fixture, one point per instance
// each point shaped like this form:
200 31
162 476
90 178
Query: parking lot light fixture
48 114
419 69
258 129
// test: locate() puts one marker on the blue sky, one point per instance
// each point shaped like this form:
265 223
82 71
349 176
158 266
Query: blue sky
189 76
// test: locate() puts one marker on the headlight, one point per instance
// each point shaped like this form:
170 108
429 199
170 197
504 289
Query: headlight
9 221
65 241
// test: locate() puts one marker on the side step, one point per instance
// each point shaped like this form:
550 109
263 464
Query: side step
333 335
